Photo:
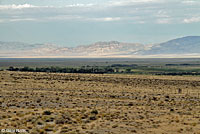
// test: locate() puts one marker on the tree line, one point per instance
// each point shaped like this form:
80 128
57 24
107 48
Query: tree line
95 70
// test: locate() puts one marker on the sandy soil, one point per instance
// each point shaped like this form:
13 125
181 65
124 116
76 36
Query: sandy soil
48 103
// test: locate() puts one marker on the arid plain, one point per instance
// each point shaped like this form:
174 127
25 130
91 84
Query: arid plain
55 103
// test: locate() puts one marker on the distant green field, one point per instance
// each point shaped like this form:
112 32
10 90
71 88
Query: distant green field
185 66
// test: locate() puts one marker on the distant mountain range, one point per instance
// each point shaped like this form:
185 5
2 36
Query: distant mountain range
182 47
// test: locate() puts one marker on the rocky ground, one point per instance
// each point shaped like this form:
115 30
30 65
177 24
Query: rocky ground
47 103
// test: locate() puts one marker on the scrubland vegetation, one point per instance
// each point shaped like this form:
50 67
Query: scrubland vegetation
67 103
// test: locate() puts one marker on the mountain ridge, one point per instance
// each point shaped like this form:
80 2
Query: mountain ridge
185 46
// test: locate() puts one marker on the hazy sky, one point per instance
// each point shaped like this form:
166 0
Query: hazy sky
77 22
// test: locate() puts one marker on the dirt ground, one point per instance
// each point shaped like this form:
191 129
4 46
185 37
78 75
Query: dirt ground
47 103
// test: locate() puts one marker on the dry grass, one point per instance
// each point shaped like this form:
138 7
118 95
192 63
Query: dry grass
97 104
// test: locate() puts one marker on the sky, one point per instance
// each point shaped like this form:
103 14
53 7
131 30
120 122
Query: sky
81 22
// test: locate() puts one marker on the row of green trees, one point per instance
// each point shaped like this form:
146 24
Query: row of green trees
63 70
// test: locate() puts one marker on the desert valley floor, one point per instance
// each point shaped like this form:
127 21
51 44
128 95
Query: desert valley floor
53 103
